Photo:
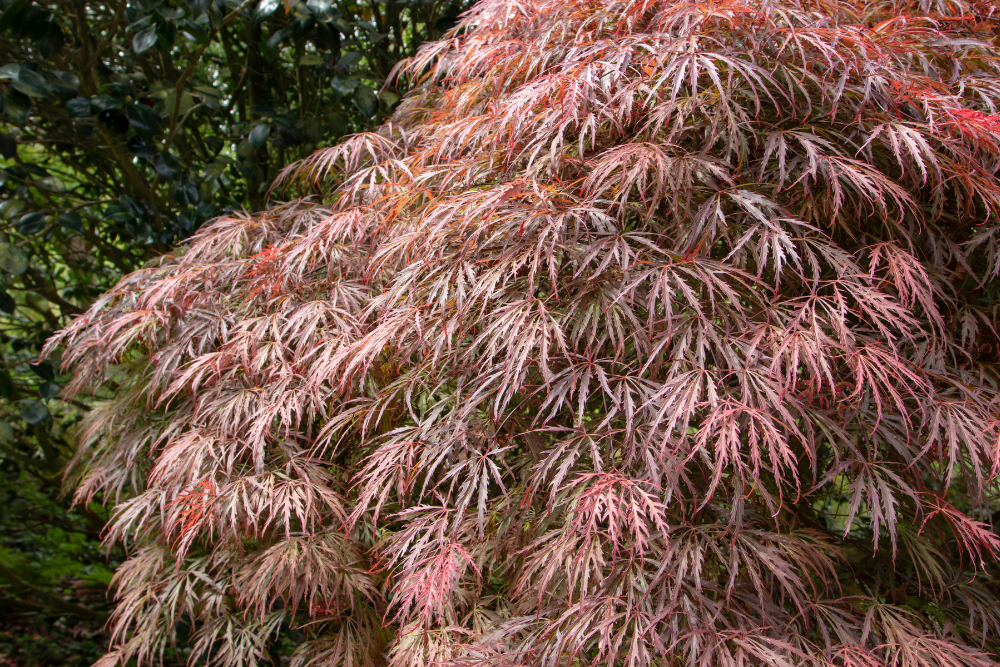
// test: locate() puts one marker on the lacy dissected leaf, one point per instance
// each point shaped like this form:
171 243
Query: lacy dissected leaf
645 333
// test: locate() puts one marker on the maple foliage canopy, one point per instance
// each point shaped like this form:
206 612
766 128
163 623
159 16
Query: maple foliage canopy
646 333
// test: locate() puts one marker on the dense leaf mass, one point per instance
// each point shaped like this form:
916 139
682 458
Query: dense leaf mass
645 333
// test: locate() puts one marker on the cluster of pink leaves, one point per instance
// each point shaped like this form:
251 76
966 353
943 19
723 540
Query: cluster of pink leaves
645 333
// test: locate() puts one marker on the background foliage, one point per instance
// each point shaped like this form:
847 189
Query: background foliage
124 127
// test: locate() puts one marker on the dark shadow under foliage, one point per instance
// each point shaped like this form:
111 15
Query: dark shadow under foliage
645 333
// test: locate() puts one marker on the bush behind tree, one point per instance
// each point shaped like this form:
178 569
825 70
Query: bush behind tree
645 333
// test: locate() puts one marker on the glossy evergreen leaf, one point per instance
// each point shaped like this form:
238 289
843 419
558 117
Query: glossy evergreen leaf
30 224
14 11
265 8
319 6
143 147
344 85
67 80
13 260
43 370
11 208
142 119
31 83
166 165
144 40
71 221
8 146
258 135
365 100
279 35
52 184
48 390
78 107
114 120
103 102
170 13
349 61
32 410
7 435
390 98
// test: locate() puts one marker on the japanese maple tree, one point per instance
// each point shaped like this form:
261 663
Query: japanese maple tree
646 333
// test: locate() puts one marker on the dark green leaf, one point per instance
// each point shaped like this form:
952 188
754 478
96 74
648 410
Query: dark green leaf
48 390
50 39
78 107
166 34
144 40
142 119
319 6
137 207
8 146
6 385
197 33
12 259
365 100
258 136
286 121
143 147
171 13
71 221
31 223
32 410
52 184
66 84
140 231
264 10
337 124
264 110
31 84
166 166
66 79
115 120
279 35
140 24
43 370
35 170
11 13
344 85
348 61
244 149
390 98
11 208
100 103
